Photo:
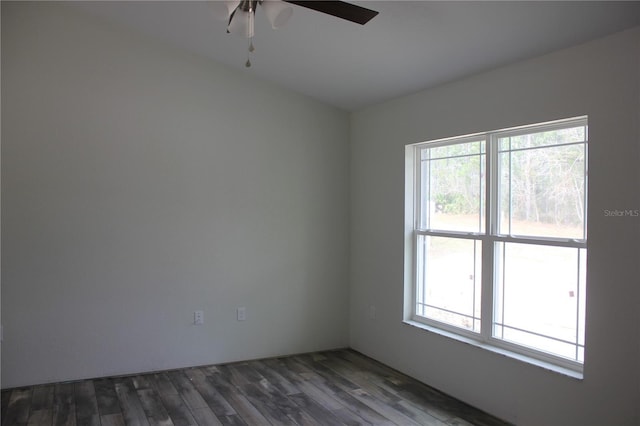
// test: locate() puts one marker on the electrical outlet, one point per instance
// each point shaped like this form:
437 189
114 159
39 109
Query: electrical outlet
198 317
241 313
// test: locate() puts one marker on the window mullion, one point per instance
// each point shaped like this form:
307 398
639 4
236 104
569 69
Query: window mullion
417 184
417 219
488 243
584 185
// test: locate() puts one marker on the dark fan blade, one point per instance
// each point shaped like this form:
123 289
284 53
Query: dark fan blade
340 9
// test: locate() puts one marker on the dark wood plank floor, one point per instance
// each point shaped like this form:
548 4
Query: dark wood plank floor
326 388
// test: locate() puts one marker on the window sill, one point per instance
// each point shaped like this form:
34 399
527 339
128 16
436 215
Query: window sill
500 351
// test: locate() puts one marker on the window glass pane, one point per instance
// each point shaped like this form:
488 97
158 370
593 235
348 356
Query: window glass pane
449 279
541 192
549 137
457 149
540 297
453 187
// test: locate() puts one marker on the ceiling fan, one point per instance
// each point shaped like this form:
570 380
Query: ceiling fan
240 14
340 9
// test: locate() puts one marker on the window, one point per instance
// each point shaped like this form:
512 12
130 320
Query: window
498 238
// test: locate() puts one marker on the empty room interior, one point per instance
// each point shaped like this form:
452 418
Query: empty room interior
448 193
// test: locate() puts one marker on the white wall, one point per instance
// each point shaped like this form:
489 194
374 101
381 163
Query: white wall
600 79
139 184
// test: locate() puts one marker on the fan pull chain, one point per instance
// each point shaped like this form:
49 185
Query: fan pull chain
250 50
250 29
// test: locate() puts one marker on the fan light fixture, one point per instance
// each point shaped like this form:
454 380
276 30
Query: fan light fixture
240 16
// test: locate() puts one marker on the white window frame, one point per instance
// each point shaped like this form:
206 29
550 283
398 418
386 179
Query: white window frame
489 239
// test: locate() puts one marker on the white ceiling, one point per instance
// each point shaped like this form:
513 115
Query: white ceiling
410 45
